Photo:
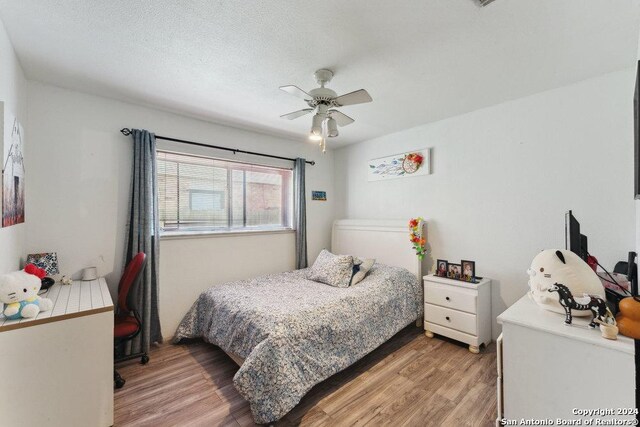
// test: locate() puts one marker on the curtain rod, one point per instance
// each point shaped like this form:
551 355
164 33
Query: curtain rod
127 132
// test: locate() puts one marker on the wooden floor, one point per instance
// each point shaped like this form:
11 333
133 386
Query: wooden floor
410 380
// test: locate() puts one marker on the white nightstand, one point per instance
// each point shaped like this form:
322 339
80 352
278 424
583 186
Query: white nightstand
458 310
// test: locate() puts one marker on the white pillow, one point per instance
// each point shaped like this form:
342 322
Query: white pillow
333 270
362 268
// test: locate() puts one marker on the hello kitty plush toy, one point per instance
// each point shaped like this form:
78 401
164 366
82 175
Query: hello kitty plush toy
19 293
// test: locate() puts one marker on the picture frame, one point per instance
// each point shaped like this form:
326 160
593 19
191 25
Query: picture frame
13 171
454 271
468 270
442 268
402 165
319 195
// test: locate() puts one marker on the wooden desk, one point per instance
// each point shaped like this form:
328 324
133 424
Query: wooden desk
57 369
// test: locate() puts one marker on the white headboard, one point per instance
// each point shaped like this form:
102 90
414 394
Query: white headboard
385 240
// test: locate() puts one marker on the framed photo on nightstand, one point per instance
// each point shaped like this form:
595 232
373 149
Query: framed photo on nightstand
468 270
442 267
454 271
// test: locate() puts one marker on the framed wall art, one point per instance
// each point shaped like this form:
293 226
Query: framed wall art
12 170
319 195
409 163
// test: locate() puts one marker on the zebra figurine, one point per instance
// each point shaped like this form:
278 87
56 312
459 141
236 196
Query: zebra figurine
595 304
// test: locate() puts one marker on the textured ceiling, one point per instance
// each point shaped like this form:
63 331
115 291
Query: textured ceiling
421 60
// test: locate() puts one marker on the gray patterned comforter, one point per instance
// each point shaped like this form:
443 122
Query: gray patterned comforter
294 333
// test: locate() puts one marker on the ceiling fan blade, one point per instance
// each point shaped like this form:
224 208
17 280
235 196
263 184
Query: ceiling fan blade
296 114
341 118
296 91
357 97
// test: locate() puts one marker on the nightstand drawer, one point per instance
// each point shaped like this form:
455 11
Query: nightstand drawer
448 296
453 319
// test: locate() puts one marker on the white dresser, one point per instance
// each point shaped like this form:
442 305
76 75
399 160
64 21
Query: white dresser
550 370
458 310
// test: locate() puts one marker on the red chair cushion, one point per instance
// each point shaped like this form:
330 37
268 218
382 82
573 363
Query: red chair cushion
125 326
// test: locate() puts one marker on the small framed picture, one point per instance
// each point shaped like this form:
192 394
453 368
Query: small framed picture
454 271
441 267
468 270
319 195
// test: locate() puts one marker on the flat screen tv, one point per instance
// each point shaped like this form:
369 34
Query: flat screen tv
574 240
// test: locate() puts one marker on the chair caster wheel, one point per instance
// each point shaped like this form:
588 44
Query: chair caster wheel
118 381
144 359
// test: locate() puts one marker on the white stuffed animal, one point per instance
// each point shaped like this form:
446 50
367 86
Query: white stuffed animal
561 266
19 293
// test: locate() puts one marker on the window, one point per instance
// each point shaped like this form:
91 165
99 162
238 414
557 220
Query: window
205 194
204 200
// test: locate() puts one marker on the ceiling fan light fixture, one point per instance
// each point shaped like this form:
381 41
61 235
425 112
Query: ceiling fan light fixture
332 128
314 137
316 125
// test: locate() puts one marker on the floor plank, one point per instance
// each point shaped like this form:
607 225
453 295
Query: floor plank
410 380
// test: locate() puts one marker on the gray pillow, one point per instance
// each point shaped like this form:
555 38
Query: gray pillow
363 269
333 270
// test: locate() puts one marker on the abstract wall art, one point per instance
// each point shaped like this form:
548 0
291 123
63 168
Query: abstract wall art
410 163
319 195
12 171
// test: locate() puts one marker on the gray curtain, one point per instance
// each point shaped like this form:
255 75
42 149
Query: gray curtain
142 235
300 213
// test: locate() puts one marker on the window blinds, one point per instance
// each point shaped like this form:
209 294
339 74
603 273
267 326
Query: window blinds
205 194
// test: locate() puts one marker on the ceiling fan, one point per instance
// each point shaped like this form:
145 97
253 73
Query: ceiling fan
324 102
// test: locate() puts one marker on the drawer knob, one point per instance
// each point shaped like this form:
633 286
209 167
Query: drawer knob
448 299
448 318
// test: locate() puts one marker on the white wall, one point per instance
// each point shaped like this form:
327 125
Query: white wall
13 92
80 167
504 176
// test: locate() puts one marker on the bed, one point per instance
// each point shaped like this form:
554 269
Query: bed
289 333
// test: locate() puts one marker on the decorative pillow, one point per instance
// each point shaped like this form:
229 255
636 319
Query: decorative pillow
363 269
46 261
333 270
356 267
